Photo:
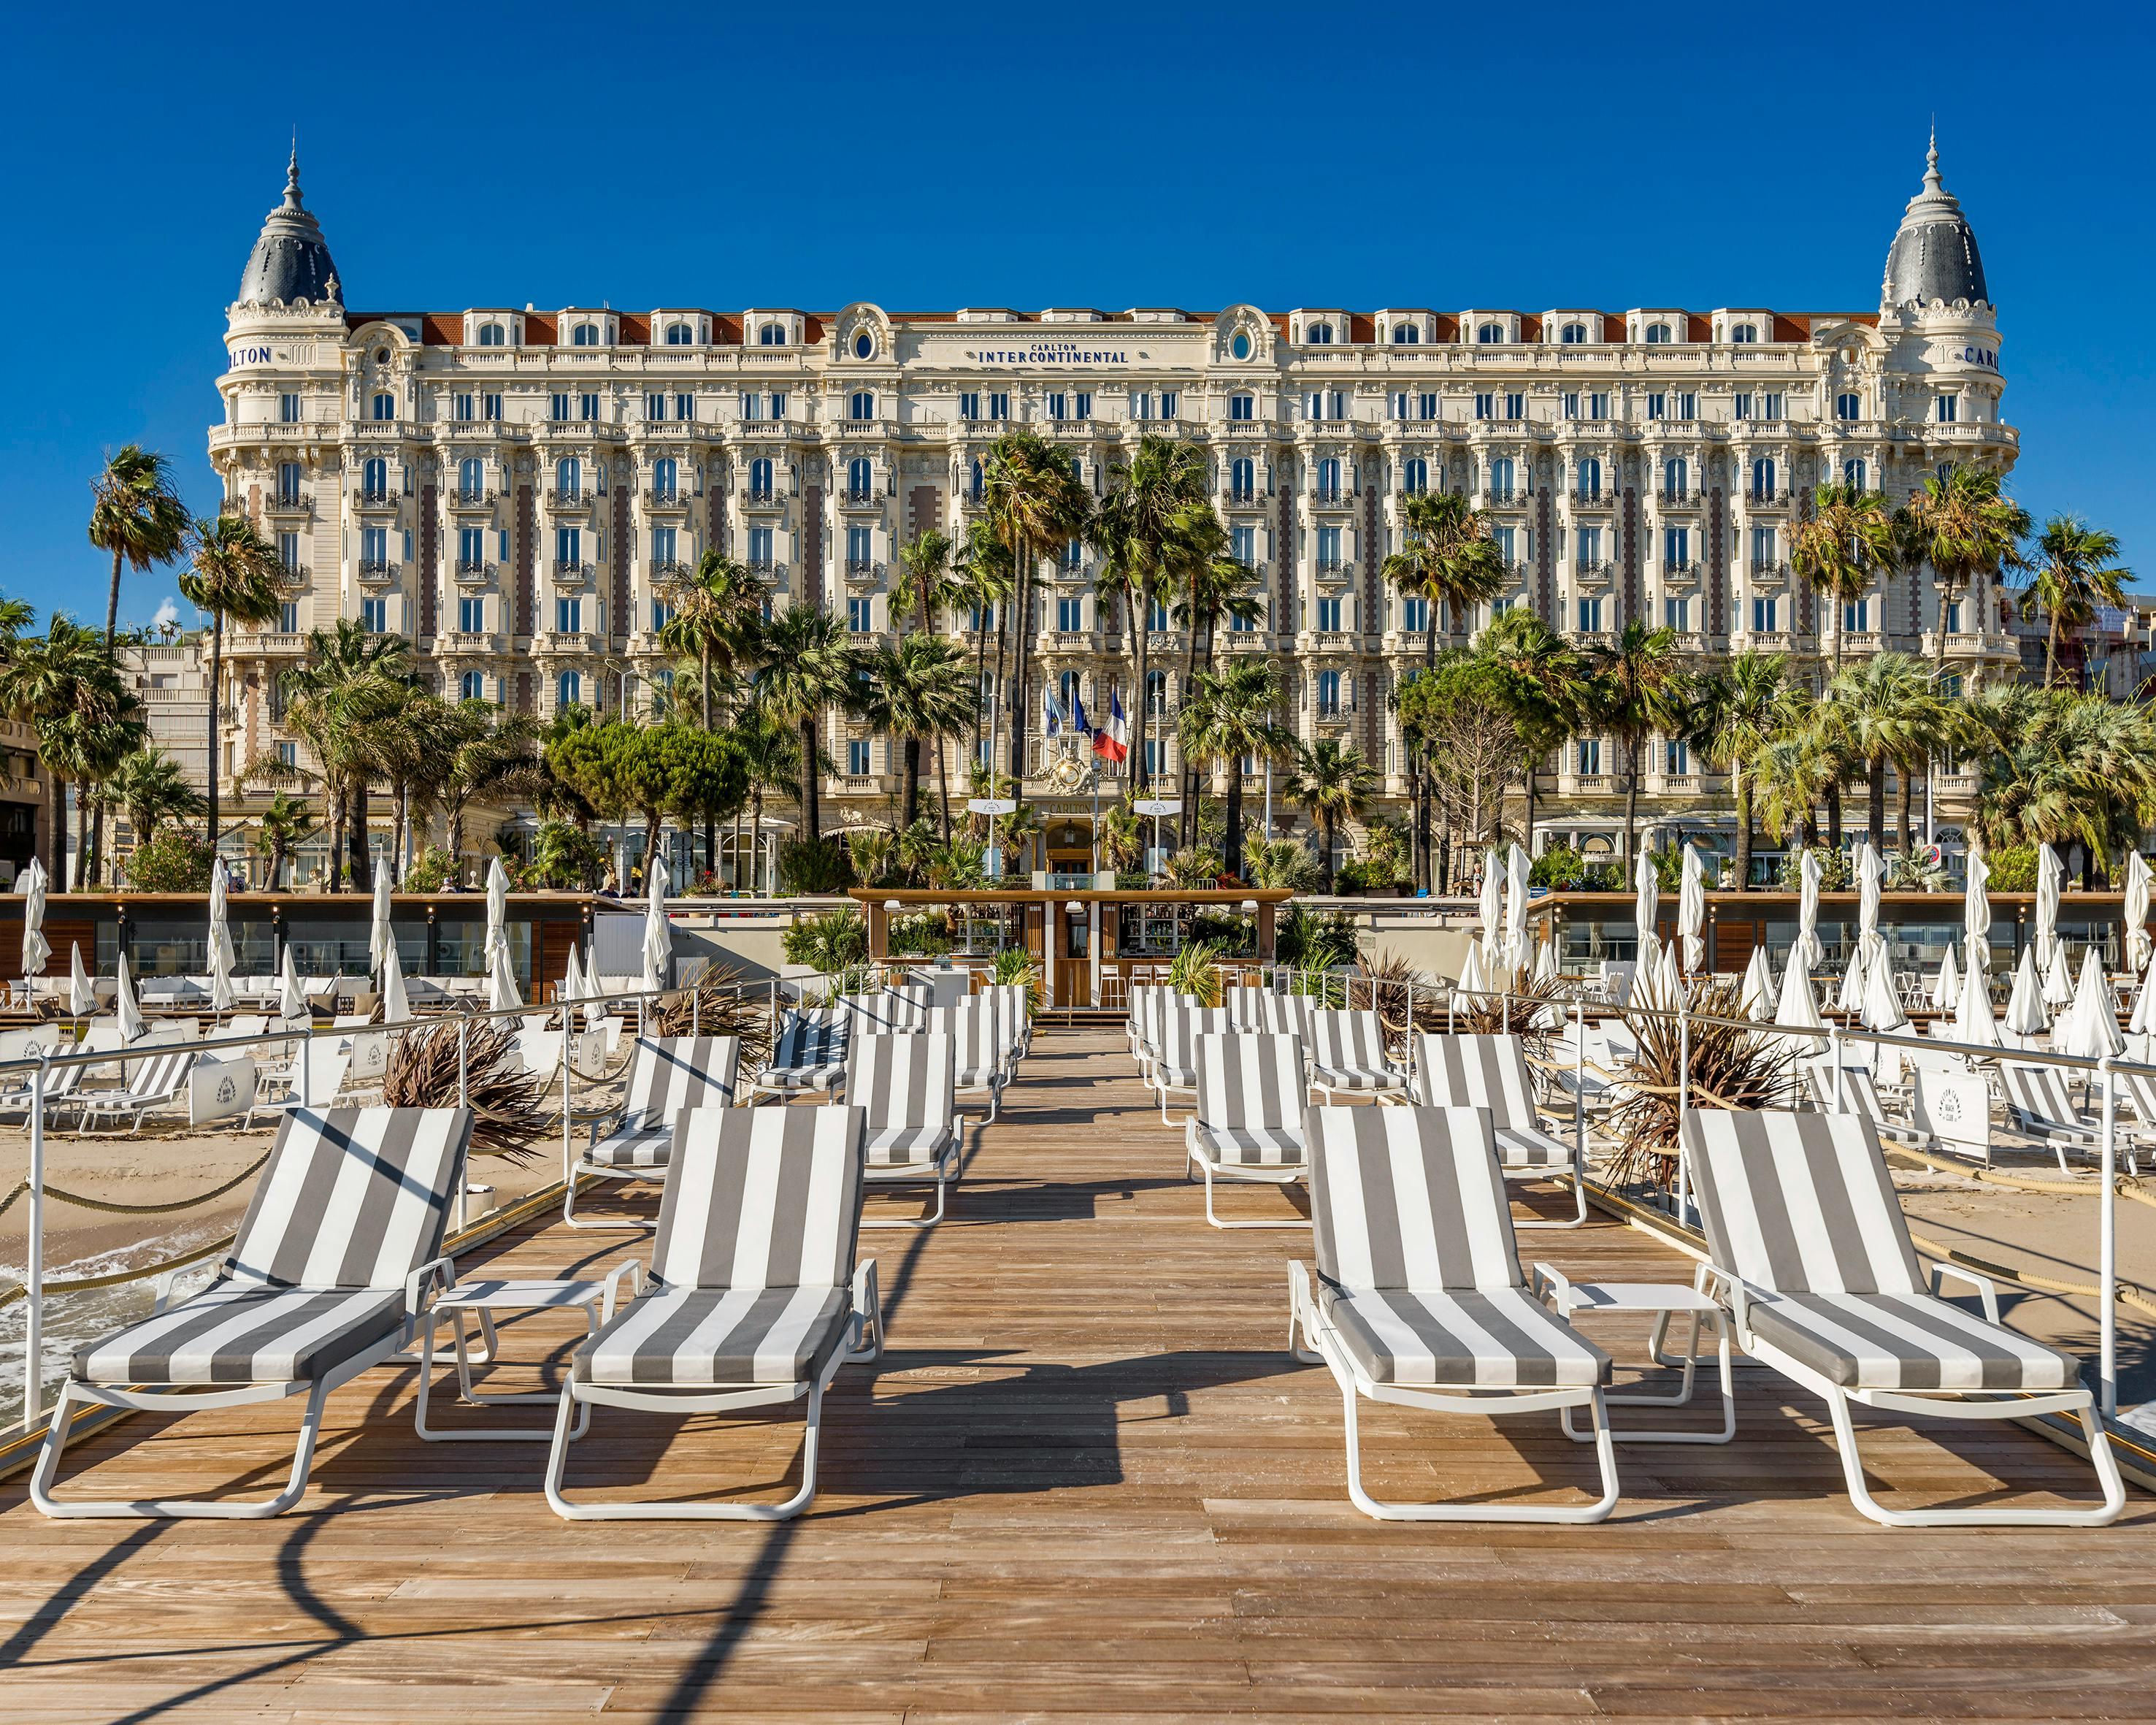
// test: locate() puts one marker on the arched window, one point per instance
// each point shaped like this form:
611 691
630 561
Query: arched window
976 480
1414 476
584 335
568 475
471 477
864 346
1490 332
1848 407
1239 346
570 690
1405 335
771 335
1763 477
1502 473
1156 690
1744 332
471 686
665 475
491 335
1572 334
1328 694
860 477
1590 478
1328 477
759 476
1067 689
861 404
1853 474
1657 333
1676 477
679 335
374 478
1318 335
1243 477
1242 407
385 406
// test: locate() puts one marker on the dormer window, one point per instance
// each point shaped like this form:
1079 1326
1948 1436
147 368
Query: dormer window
584 335
1405 335
679 335
771 335
1572 334
1743 333
1658 334
864 346
1490 333
1240 345
491 335
1318 335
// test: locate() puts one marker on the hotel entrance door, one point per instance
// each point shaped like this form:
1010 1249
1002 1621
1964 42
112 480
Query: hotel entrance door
1072 942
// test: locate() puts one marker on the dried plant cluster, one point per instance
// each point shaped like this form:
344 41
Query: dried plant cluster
508 1104
723 1004
1731 1067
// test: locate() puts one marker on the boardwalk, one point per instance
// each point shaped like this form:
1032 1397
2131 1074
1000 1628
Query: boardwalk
1085 1481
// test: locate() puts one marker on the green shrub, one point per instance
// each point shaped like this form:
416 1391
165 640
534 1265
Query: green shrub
1834 870
819 865
563 855
2013 868
830 943
1196 970
1303 939
172 859
1350 878
1015 964
924 934
1560 868
1283 863
429 871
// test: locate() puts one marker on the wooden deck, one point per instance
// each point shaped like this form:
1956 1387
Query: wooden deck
1085 1481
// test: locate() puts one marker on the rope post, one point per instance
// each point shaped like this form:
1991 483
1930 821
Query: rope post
1834 1057
2107 1294
565 1155
1684 1102
306 1065
34 1322
1505 1011
1451 1003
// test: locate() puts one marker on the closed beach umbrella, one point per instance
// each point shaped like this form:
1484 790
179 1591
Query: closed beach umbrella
658 938
1796 1009
572 988
1849 997
1643 908
291 998
125 1003
395 1007
379 939
2058 980
1488 908
1808 947
1757 1000
1882 1000
2138 943
2025 1006
221 959
1474 975
497 910
1692 911
2090 1028
1667 982
1946 986
1870 872
1973 1019
82 997
35 951
2051 876
501 993
1546 959
1976 914
1516 908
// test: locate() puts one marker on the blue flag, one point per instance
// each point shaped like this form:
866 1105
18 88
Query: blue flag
1078 715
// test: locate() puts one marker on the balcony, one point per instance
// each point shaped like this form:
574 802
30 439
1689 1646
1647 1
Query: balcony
382 427
1065 641
467 641
1686 499
376 499
766 570
1592 500
1326 641
1685 573
559 497
1242 500
569 574
667 502
1966 645
277 642
290 507
671 569
1502 496
763 500
1594 574
1587 785
568 643
1674 784
376 573
1329 497
1334 568
461 499
1769 575
864 568
1768 499
852 499
763 428
489 430
474 574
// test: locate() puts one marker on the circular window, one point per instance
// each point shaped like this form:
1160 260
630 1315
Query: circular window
381 356
1240 347
864 346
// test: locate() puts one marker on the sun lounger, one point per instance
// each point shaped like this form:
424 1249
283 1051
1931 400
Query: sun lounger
887 1011
666 1074
1492 1072
983 1060
328 1061
756 1295
904 1085
1289 1015
1175 1063
327 1276
1248 1123
2039 1103
809 1055
1347 1053
1859 1093
1419 1299
1809 1248
154 1084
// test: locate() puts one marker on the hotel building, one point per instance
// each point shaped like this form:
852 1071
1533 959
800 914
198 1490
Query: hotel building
510 487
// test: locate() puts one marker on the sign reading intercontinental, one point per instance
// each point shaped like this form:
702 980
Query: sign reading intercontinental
1048 353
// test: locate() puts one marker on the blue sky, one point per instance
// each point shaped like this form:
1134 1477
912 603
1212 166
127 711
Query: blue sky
1104 156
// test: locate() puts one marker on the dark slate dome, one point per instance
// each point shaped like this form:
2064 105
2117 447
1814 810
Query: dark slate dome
291 261
1934 255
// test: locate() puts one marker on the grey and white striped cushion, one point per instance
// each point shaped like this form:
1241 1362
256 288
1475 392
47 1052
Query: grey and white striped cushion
760 1197
666 1075
1249 1098
1910 1341
351 1198
1409 1197
1287 1015
1476 1072
2039 1096
1246 1008
1149 1006
154 1080
1175 1063
709 1336
906 1147
1499 1338
903 1081
1347 1051
235 1333
975 1038
1530 1147
810 1052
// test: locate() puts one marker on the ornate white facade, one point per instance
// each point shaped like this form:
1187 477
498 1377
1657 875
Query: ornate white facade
509 487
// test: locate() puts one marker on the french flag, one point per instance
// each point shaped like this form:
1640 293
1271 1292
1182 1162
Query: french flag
1112 741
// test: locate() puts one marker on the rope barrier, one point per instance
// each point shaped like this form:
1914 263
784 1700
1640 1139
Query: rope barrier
80 1284
110 1208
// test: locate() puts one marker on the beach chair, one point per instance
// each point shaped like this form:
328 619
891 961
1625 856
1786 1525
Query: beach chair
327 1276
666 1074
1014 996
1859 1094
1347 1053
885 1012
1491 1072
1175 1063
1244 1004
1144 997
1419 1300
1289 1015
62 1082
808 1056
2039 1103
756 1295
904 1085
155 1083
982 1068
1248 1122
326 1063
1809 1247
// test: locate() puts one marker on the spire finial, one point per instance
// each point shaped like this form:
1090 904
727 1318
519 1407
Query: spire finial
292 174
1932 182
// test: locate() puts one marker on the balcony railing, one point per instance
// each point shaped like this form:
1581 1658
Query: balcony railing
764 498
1242 497
1761 498
371 569
279 505
1594 571
1334 568
369 499
474 574
566 572
1681 566
1590 499
667 499
672 568
463 499
568 498
764 569
1681 498
1498 496
856 499
863 568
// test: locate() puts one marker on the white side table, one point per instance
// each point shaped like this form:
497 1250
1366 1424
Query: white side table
1576 1300
486 1298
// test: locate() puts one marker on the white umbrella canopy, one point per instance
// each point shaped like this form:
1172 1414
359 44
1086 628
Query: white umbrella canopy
1756 1001
1692 910
1808 947
1668 984
1870 873
291 998
2058 980
2051 876
221 957
1973 1019
379 938
658 938
2025 1006
1882 1000
2090 1028
125 1005
395 1007
2145 1002
1976 914
1489 907
1797 1009
572 987
1643 883
1946 986
35 950
497 909
501 993
82 996
1851 997
1546 961
1474 975
1516 908
2138 946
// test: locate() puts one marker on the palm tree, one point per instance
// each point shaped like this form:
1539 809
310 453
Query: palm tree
1788 776
233 572
1037 502
1638 689
1547 686
1230 718
1210 585
914 690
1842 546
716 612
491 754
1737 710
2079 570
2059 767
149 788
65 687
770 754
1447 560
135 513
1891 717
1970 529
284 825
929 588
349 682
1330 780
987 580
1148 510
809 665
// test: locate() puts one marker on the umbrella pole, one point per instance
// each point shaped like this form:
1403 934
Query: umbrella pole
2108 1250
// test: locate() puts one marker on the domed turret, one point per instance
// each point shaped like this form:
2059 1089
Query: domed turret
1934 256
291 261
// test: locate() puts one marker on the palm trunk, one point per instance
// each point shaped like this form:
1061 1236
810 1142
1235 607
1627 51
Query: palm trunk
710 822
216 686
82 882
1234 848
651 841
1190 769
1003 688
980 674
811 819
1741 788
1905 779
1328 850
1947 591
943 787
1833 816
2051 651
362 853
56 828
910 808
755 836
1876 802
334 800
1631 801
1024 629
1142 636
